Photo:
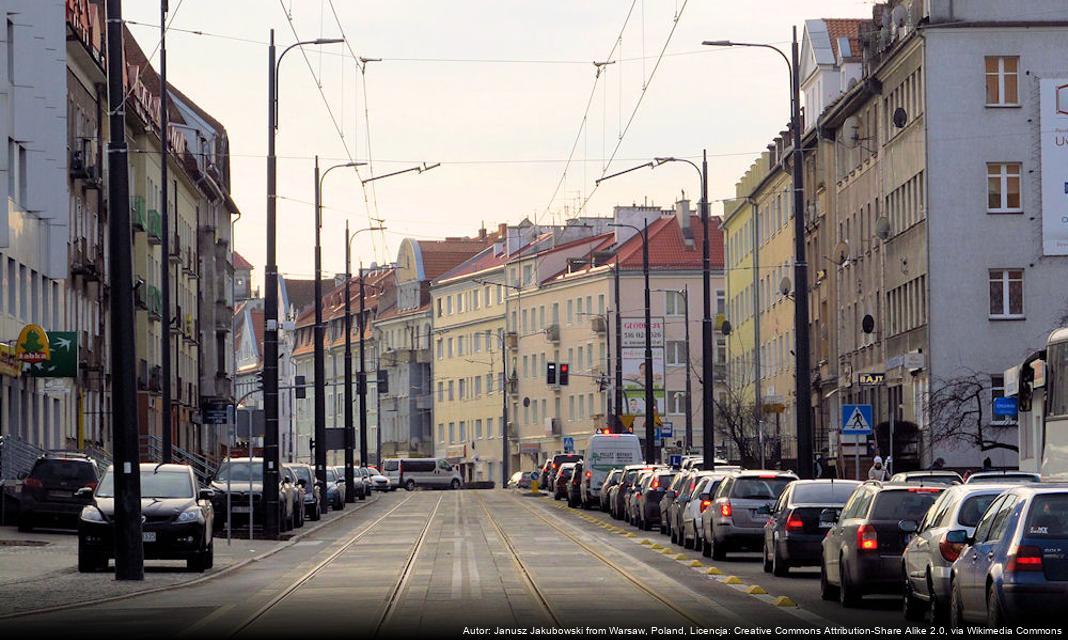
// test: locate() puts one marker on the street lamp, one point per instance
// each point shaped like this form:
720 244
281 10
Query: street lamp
350 440
650 400
802 375
319 335
270 310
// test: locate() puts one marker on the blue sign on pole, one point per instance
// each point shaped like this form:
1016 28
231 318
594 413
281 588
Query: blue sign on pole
856 419
667 430
569 444
1005 407
675 460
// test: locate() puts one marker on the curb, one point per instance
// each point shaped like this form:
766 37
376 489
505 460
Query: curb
188 583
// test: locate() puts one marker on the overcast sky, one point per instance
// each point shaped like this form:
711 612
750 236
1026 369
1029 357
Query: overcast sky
501 130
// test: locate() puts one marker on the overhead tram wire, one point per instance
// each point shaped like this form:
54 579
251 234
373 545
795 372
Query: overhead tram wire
155 49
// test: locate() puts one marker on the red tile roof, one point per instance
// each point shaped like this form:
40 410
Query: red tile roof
668 249
845 28
241 263
440 256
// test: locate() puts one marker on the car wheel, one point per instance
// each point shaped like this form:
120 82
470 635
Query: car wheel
827 591
911 606
766 561
209 557
779 568
25 523
936 609
995 617
89 562
847 596
956 607
674 535
688 543
706 548
455 484
409 485
719 551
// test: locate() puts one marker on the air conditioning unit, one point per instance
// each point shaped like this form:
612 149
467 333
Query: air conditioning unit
599 324
552 333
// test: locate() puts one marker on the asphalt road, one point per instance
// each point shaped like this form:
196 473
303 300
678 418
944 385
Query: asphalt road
439 564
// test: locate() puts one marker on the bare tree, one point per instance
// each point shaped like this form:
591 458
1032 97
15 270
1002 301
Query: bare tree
736 423
957 407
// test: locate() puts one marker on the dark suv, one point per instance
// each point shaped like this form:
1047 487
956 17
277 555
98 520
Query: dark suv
48 490
863 547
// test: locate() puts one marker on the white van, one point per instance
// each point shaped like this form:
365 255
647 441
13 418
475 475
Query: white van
606 451
430 473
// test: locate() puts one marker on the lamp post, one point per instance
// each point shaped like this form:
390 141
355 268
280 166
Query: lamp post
350 440
270 305
165 245
504 385
319 337
802 375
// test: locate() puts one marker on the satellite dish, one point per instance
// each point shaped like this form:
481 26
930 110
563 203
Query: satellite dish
785 286
841 253
851 128
852 83
882 228
867 324
725 328
901 117
526 402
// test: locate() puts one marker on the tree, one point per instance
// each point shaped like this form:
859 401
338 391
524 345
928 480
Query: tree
956 408
736 423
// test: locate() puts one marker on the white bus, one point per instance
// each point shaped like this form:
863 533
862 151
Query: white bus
1040 385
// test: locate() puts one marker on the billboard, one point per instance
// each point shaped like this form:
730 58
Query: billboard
634 364
1054 147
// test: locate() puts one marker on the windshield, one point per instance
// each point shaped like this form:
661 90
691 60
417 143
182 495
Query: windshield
1048 517
903 505
302 473
973 509
162 484
391 465
824 493
759 488
52 472
239 472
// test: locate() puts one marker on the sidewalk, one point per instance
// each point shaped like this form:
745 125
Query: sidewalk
39 569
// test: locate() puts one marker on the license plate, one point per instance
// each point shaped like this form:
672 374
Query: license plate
825 525
148 536
239 509
60 494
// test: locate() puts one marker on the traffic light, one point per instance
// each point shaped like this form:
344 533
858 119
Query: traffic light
565 372
299 382
550 373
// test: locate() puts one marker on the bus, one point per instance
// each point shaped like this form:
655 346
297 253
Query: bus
1040 386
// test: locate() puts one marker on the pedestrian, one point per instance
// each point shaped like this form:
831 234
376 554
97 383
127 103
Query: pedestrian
877 471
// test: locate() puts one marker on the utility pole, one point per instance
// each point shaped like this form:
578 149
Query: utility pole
708 378
689 384
757 373
361 380
350 440
129 549
319 363
270 318
620 406
165 246
650 397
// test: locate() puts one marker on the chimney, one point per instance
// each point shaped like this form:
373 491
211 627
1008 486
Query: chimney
482 233
682 215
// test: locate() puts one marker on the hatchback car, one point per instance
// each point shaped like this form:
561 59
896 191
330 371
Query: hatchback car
610 481
177 519
633 501
618 494
928 477
863 547
1014 570
1006 477
794 530
671 494
691 533
562 476
335 489
574 486
739 510
648 501
313 506
49 493
242 480
928 557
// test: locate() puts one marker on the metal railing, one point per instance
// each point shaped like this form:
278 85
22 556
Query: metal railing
202 467
17 456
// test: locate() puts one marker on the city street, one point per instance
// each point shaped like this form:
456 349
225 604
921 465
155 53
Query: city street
432 563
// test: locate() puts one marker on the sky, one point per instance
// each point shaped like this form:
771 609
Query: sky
500 92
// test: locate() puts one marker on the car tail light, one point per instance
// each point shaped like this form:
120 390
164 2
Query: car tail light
32 483
589 474
1024 558
91 484
924 490
725 509
793 523
949 550
655 484
767 476
705 504
867 538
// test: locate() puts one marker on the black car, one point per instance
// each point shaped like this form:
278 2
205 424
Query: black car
562 477
50 490
619 494
178 519
574 486
554 467
243 480
863 547
649 500
794 532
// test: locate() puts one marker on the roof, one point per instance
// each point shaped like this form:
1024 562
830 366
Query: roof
241 263
439 256
302 292
668 248
847 28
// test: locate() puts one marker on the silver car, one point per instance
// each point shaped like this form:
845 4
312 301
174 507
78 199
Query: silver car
736 518
928 558
704 485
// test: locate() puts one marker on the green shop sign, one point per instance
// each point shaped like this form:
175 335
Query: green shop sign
63 360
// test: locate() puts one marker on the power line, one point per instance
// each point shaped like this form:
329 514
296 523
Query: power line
155 49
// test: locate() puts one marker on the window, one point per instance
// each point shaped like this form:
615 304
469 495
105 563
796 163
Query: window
1003 187
476 346
452 432
439 307
676 402
451 390
489 427
463 431
675 353
1002 81
474 299
441 349
478 429
478 386
460 345
721 350
489 383
528 275
463 388
449 349
459 303
448 305
441 433
674 303
570 311
441 391
997 390
1006 293
721 302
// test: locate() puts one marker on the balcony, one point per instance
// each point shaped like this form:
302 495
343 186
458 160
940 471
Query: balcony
137 213
155 226
512 340
154 302
176 249
513 385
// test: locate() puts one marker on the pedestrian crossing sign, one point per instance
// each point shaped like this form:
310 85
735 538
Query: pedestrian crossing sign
856 419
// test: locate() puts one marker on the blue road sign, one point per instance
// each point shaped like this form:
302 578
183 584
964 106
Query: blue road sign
534 475
856 419
675 460
1005 407
569 444
667 430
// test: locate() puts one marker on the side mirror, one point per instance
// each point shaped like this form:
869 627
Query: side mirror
764 510
22 475
828 517
205 494
957 536
84 492
908 526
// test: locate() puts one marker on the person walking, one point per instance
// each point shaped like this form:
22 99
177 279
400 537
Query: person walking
877 471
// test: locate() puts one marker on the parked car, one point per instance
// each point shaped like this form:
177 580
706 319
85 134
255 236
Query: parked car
691 511
244 478
739 510
634 500
617 496
928 477
610 482
562 475
605 452
543 477
671 494
313 505
391 471
1014 570
574 485
650 497
335 489
794 533
376 481
863 547
177 519
554 466
360 483
1007 477
519 480
927 559
49 493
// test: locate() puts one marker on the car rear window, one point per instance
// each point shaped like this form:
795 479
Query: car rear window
240 471
823 493
973 509
60 471
302 473
1048 517
758 488
391 465
664 479
902 505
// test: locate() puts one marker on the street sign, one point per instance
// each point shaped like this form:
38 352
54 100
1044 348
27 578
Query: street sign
534 475
675 460
627 420
569 444
216 413
856 419
667 429
871 379
1005 407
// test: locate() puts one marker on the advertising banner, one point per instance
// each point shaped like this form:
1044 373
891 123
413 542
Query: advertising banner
1054 147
